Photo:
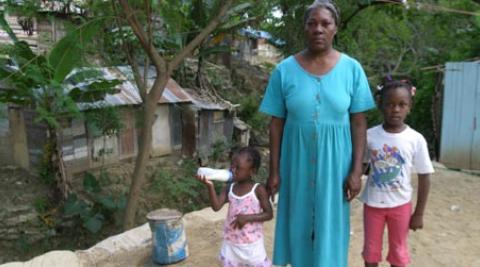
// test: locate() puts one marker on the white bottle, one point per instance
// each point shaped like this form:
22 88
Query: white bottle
221 175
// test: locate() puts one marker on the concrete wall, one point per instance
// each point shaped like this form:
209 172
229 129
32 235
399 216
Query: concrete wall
19 138
161 139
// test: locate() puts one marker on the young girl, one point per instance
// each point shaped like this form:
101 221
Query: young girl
394 149
249 207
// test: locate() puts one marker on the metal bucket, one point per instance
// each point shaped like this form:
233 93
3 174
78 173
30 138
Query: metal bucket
168 236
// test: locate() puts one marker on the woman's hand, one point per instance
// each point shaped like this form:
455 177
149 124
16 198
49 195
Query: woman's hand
273 184
276 133
353 186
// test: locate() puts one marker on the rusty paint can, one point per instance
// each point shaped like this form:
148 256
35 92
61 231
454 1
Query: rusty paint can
168 236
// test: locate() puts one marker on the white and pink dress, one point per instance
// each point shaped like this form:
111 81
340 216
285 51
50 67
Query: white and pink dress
243 247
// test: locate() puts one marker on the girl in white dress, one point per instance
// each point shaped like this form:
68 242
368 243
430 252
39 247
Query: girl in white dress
249 207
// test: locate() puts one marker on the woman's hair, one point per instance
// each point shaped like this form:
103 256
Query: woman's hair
252 154
326 4
389 84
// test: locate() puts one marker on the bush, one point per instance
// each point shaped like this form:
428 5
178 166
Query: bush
178 189
98 209
250 114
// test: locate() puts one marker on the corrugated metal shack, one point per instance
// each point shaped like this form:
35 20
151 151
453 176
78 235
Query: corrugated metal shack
168 130
185 122
191 122
460 136
81 148
213 124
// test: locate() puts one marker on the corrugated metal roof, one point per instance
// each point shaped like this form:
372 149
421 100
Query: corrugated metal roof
173 93
204 103
127 92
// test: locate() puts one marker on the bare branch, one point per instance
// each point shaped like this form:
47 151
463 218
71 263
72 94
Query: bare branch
200 37
145 42
146 62
141 83
399 60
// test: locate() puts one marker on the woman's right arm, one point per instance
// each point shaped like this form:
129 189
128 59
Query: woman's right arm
276 133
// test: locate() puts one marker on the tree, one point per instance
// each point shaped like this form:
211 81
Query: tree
413 39
48 84
164 69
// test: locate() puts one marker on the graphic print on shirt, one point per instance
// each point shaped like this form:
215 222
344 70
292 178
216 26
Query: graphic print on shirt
387 168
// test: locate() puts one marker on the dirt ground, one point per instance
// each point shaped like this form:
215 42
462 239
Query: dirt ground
451 234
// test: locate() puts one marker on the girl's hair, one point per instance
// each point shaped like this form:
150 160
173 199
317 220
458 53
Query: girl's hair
326 4
389 84
252 154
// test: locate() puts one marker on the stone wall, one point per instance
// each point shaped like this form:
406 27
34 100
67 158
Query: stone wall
19 221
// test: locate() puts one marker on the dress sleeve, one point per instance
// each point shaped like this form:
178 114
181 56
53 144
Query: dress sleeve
362 99
273 102
421 158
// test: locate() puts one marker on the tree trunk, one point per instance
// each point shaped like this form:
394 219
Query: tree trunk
164 71
145 145
55 166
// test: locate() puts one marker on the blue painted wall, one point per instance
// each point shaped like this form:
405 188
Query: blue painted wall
460 136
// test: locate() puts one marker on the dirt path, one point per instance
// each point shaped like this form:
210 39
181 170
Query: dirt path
451 236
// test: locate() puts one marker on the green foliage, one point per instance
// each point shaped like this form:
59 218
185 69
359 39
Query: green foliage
219 148
27 8
392 39
98 209
105 121
66 54
41 83
250 114
41 204
46 170
179 189
22 244
6 27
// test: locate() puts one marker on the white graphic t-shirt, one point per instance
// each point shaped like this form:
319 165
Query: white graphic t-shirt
392 157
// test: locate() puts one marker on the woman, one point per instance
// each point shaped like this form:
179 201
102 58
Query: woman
317 137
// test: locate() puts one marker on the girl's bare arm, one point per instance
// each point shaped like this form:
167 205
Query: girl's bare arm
266 215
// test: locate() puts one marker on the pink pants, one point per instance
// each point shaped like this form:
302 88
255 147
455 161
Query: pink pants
397 220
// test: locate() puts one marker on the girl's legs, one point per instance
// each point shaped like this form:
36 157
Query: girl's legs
398 220
374 220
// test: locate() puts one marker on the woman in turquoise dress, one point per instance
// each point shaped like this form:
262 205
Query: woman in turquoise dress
316 99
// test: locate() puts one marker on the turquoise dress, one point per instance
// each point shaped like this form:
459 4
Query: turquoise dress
313 225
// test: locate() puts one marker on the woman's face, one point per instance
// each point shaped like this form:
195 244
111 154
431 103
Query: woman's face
320 29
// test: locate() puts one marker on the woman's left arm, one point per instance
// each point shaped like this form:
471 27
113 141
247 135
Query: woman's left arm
358 128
